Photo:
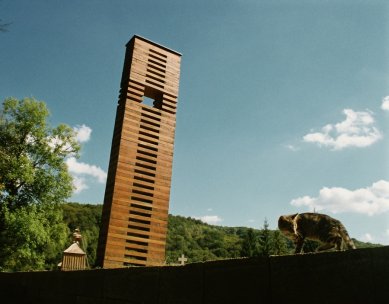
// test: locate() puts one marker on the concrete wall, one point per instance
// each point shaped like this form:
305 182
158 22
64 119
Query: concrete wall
357 276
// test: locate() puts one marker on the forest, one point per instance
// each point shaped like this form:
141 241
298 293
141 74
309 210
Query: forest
195 239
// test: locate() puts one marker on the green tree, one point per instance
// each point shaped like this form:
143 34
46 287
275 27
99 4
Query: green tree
34 238
34 180
265 240
197 240
87 218
279 244
249 244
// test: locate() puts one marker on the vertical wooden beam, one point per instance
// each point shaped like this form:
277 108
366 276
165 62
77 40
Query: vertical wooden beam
136 202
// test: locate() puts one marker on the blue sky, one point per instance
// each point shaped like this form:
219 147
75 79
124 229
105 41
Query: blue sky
282 104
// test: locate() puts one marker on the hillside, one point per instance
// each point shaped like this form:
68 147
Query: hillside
198 241
202 242
86 217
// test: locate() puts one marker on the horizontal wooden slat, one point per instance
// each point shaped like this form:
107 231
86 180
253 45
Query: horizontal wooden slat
155 68
146 71
159 178
126 177
136 159
143 53
122 216
143 59
139 173
161 208
172 57
136 110
125 230
139 239
131 128
165 88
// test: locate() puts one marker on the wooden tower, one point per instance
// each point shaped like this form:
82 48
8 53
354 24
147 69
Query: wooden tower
136 202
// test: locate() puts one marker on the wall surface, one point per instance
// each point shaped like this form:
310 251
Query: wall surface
356 276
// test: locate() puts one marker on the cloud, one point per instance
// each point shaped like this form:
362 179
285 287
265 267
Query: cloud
58 144
357 130
210 219
370 200
79 184
385 103
366 237
83 133
80 168
292 148
80 171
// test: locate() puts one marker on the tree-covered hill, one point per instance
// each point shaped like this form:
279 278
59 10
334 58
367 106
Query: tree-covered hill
202 242
86 217
198 241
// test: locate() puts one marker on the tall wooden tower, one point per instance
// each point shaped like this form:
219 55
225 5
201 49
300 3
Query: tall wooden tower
136 202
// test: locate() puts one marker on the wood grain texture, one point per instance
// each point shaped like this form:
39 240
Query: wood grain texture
136 202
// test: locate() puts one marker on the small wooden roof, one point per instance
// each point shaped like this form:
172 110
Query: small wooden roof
75 249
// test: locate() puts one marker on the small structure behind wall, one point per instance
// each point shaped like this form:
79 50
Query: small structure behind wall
74 258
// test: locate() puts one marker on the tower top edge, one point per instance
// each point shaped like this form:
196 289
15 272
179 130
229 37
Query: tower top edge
153 43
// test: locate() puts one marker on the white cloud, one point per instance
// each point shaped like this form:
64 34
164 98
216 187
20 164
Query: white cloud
370 200
82 173
366 237
79 184
357 130
83 133
385 103
292 148
56 143
79 168
210 219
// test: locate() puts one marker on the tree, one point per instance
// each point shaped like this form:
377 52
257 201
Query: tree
34 180
265 242
279 243
32 155
185 236
33 239
249 244
87 218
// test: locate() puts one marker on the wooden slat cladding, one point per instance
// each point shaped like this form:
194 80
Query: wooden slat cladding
136 203
71 262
